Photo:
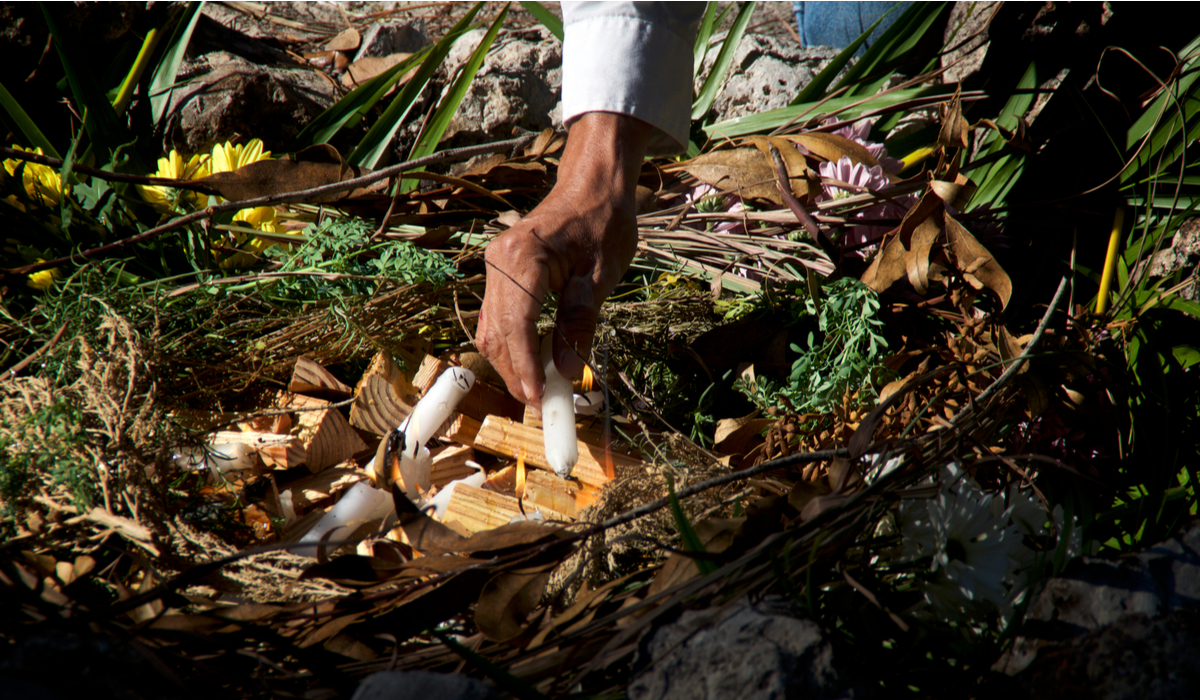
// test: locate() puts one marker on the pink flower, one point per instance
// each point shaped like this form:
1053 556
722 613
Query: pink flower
705 198
860 179
858 132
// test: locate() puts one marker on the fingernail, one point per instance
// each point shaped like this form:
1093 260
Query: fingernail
569 364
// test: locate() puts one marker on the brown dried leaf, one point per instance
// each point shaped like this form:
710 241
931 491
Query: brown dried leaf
916 259
954 130
368 67
348 40
508 598
967 252
744 171
546 143
956 193
803 180
832 147
312 167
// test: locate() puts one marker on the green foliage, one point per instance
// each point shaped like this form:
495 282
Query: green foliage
46 446
338 261
720 68
548 20
846 360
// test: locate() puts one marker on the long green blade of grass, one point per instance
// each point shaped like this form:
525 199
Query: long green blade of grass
546 17
1166 116
893 46
436 126
816 89
776 118
103 128
691 541
162 81
22 123
716 77
349 110
702 38
372 147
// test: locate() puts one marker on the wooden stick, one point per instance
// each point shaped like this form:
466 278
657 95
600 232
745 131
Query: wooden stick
504 437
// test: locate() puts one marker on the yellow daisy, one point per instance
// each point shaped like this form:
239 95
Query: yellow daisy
174 166
42 183
43 279
227 157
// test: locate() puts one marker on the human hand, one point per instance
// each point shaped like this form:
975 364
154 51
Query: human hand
578 242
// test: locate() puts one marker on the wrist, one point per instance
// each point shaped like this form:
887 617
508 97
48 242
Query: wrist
603 157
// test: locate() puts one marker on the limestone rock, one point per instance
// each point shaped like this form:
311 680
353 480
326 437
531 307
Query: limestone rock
518 85
386 38
421 685
737 651
765 74
227 97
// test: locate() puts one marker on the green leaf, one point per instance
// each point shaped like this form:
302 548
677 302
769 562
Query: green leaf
436 125
349 110
21 122
162 81
1169 114
844 107
893 46
716 77
546 17
815 90
703 36
691 541
372 147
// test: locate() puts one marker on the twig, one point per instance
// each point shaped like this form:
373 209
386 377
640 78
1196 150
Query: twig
1020 360
312 192
12 372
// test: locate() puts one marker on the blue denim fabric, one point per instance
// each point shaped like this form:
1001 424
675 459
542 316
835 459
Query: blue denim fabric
837 24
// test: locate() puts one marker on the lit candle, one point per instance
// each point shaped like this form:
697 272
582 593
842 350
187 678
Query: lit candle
558 415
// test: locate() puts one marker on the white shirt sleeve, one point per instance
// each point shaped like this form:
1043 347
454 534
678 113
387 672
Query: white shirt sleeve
632 58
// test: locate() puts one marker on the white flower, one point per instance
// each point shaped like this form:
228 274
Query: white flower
974 554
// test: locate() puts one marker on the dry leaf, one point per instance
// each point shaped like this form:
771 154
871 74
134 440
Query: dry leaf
954 130
968 251
916 259
508 598
803 180
743 171
832 147
312 167
348 40
366 68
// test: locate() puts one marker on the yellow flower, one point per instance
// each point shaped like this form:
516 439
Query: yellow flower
175 167
42 183
44 279
261 218
227 157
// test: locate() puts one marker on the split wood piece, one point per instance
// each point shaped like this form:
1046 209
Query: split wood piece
459 428
323 431
477 509
450 463
481 401
549 492
312 379
314 488
588 429
501 436
384 397
277 451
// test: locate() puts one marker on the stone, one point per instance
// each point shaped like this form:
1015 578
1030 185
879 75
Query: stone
1138 657
1095 593
765 74
421 685
1184 253
386 38
519 85
742 650
227 98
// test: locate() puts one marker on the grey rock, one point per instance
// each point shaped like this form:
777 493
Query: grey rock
740 650
1139 657
227 97
387 38
1094 594
421 685
766 73
1184 253
519 85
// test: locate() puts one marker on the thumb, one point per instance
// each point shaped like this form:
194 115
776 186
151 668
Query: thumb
575 325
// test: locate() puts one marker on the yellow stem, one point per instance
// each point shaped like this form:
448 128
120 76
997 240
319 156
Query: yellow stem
1110 260
135 73
915 157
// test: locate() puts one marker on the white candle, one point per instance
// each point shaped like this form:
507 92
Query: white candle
435 407
558 415
359 503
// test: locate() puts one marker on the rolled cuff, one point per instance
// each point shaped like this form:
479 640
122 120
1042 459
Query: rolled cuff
627 65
